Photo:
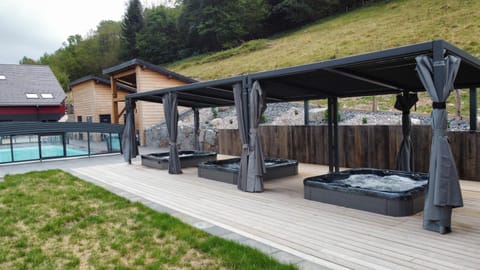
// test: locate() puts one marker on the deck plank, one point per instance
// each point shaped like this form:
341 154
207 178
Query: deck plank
326 234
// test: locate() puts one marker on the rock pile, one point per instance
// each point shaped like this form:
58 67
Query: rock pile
213 119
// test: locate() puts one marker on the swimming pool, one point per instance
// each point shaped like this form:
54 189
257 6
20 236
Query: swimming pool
33 153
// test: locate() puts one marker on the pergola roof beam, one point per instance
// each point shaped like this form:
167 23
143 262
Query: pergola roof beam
182 95
364 79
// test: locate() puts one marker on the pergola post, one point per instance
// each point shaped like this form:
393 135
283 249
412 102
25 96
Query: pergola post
330 135
170 109
256 164
196 129
240 92
246 104
335 132
437 75
113 86
473 109
129 143
306 109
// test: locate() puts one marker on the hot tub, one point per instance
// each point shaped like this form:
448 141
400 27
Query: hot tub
387 192
227 170
187 159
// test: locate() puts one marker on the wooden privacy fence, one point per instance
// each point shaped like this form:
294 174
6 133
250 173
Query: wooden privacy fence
359 146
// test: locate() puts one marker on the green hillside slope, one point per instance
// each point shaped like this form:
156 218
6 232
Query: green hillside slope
385 25
381 26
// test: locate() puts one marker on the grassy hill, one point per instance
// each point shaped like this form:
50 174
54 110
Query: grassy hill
380 26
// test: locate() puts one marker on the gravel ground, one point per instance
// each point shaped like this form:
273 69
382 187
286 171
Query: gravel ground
293 114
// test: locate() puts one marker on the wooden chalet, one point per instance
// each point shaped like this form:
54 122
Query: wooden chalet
141 76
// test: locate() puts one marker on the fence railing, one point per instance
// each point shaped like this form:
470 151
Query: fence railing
27 141
359 146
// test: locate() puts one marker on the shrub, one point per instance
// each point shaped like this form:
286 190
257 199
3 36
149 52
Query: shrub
214 112
263 119
325 116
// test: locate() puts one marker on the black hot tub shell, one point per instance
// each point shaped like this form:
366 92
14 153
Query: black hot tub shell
187 159
227 170
324 188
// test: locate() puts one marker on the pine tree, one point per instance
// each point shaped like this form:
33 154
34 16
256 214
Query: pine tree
132 24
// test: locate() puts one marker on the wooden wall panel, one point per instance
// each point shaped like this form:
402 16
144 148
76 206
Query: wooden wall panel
103 101
84 100
359 146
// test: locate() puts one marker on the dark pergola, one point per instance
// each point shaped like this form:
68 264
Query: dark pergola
392 71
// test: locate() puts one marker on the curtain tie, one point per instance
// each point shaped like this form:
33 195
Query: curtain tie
439 132
439 105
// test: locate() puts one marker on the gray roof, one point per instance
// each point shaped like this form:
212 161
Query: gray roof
16 81
102 81
127 65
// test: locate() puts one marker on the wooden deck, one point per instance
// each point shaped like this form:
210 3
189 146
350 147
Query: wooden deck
332 236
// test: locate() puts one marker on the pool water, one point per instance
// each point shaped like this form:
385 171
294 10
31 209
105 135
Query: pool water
32 153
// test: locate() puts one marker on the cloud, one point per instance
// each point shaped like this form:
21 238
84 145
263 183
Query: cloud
32 28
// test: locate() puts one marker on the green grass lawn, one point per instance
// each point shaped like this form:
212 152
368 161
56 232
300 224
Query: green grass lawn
53 220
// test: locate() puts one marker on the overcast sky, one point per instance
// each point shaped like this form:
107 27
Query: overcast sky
33 27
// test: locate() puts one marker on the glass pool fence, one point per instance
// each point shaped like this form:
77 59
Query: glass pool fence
57 140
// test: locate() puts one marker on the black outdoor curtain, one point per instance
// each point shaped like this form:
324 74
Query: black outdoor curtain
256 162
129 142
406 155
443 192
242 128
170 102
196 129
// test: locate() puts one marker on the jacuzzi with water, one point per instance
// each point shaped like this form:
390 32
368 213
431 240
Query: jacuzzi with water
187 159
227 170
387 192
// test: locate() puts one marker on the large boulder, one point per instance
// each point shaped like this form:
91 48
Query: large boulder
210 137
217 122
415 121
316 114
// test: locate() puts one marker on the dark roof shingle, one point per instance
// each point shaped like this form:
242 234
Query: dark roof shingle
29 79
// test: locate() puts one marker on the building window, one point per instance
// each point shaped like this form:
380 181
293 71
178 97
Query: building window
79 118
105 118
46 95
31 95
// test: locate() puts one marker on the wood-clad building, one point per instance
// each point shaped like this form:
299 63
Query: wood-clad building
92 99
141 76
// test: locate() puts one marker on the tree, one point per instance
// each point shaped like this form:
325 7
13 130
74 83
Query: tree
159 41
27 61
102 48
132 24
212 25
108 41
287 14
